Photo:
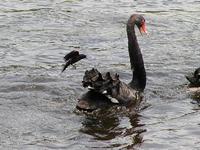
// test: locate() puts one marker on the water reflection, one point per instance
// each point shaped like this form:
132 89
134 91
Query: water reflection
109 125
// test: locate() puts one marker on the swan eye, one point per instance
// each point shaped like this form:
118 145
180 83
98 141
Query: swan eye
142 22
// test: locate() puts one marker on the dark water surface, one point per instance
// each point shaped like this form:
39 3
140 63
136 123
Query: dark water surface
37 102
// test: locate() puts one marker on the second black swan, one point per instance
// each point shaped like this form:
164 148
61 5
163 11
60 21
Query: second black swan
194 78
105 87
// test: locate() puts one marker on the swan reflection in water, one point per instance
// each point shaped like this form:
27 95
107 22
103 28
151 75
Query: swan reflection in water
114 126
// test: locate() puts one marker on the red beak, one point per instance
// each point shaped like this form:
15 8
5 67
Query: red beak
143 29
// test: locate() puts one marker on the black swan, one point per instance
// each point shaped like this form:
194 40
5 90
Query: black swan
194 78
194 86
103 88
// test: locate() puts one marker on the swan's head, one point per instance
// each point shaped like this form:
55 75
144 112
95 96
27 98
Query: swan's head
140 23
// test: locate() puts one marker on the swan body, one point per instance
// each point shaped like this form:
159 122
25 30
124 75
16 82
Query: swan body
102 87
109 85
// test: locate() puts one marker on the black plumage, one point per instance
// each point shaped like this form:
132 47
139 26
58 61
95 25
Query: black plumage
194 78
71 58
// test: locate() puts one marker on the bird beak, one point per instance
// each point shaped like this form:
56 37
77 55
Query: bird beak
143 29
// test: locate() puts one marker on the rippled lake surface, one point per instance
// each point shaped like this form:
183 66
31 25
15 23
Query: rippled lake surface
37 102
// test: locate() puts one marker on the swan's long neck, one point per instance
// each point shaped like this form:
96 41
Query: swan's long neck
136 60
